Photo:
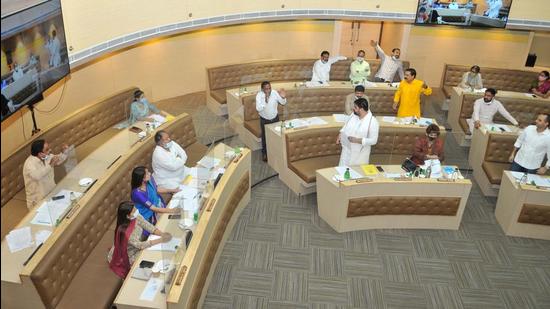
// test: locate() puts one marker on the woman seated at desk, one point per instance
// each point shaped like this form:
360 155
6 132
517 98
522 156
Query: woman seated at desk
472 80
141 108
146 195
127 243
429 147
542 86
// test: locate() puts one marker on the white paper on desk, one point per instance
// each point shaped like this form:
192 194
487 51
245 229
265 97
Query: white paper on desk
199 172
311 84
315 121
539 180
209 162
370 84
389 119
482 90
497 127
151 289
392 175
41 236
166 246
435 165
340 117
425 121
296 123
396 84
19 239
353 174
158 118
43 218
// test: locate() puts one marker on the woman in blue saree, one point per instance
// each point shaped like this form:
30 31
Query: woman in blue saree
146 195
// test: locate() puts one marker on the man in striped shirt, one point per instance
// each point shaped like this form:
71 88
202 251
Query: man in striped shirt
389 65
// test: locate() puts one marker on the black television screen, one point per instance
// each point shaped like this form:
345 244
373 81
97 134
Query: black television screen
465 13
34 54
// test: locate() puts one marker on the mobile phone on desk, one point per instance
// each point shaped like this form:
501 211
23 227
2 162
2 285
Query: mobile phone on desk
59 197
502 129
146 264
175 216
380 169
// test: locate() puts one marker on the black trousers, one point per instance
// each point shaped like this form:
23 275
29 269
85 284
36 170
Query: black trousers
263 122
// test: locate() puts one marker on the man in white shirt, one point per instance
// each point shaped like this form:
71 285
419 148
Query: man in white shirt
321 67
168 162
494 8
38 172
531 147
388 65
266 105
358 135
486 108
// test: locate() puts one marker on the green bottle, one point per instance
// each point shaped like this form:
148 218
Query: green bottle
347 175
196 216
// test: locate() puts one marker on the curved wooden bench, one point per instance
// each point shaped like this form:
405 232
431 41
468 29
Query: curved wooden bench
311 102
76 129
236 75
310 150
523 110
500 79
74 264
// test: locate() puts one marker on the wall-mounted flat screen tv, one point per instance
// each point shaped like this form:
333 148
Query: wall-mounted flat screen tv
34 54
464 13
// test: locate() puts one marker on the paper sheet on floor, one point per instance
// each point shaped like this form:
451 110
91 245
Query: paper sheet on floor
19 239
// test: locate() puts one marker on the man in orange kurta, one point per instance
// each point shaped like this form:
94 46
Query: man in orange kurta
407 96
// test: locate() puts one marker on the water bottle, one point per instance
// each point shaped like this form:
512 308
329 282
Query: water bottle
347 174
455 174
523 179
72 197
147 129
429 171
282 125
196 216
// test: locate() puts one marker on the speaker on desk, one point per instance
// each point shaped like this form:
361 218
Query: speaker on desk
531 59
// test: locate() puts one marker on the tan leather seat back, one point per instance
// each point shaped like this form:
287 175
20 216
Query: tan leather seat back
306 144
499 148
231 76
396 143
500 79
322 101
55 271
74 129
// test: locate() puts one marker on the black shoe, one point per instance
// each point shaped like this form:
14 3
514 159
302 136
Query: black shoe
264 157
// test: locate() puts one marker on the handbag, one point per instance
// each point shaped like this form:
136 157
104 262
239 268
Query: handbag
409 166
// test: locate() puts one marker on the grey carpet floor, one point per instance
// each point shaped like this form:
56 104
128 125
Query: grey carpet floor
281 254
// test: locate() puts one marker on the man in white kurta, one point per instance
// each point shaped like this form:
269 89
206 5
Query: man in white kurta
54 47
168 162
358 135
321 67
38 172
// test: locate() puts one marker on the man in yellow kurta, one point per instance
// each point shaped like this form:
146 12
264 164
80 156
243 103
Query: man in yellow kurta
407 96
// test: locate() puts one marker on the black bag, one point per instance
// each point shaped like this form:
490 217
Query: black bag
409 166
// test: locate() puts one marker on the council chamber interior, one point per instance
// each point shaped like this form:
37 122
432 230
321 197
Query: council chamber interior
188 154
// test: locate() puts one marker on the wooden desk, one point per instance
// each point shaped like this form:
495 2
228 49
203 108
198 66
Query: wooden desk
455 107
476 157
235 106
189 262
277 152
337 201
17 276
514 198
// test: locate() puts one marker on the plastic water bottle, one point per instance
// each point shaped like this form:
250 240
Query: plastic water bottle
196 215
429 171
523 179
282 125
455 174
72 197
147 129
347 174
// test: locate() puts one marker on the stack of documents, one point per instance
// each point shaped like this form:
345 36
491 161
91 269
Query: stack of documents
48 213
171 245
340 117
538 180
158 118
435 165
296 123
209 162
342 169
315 121
19 239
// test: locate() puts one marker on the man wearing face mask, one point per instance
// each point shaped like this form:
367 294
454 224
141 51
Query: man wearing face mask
486 108
358 135
359 69
388 65
472 80
168 162
352 97
429 147
321 67
38 172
